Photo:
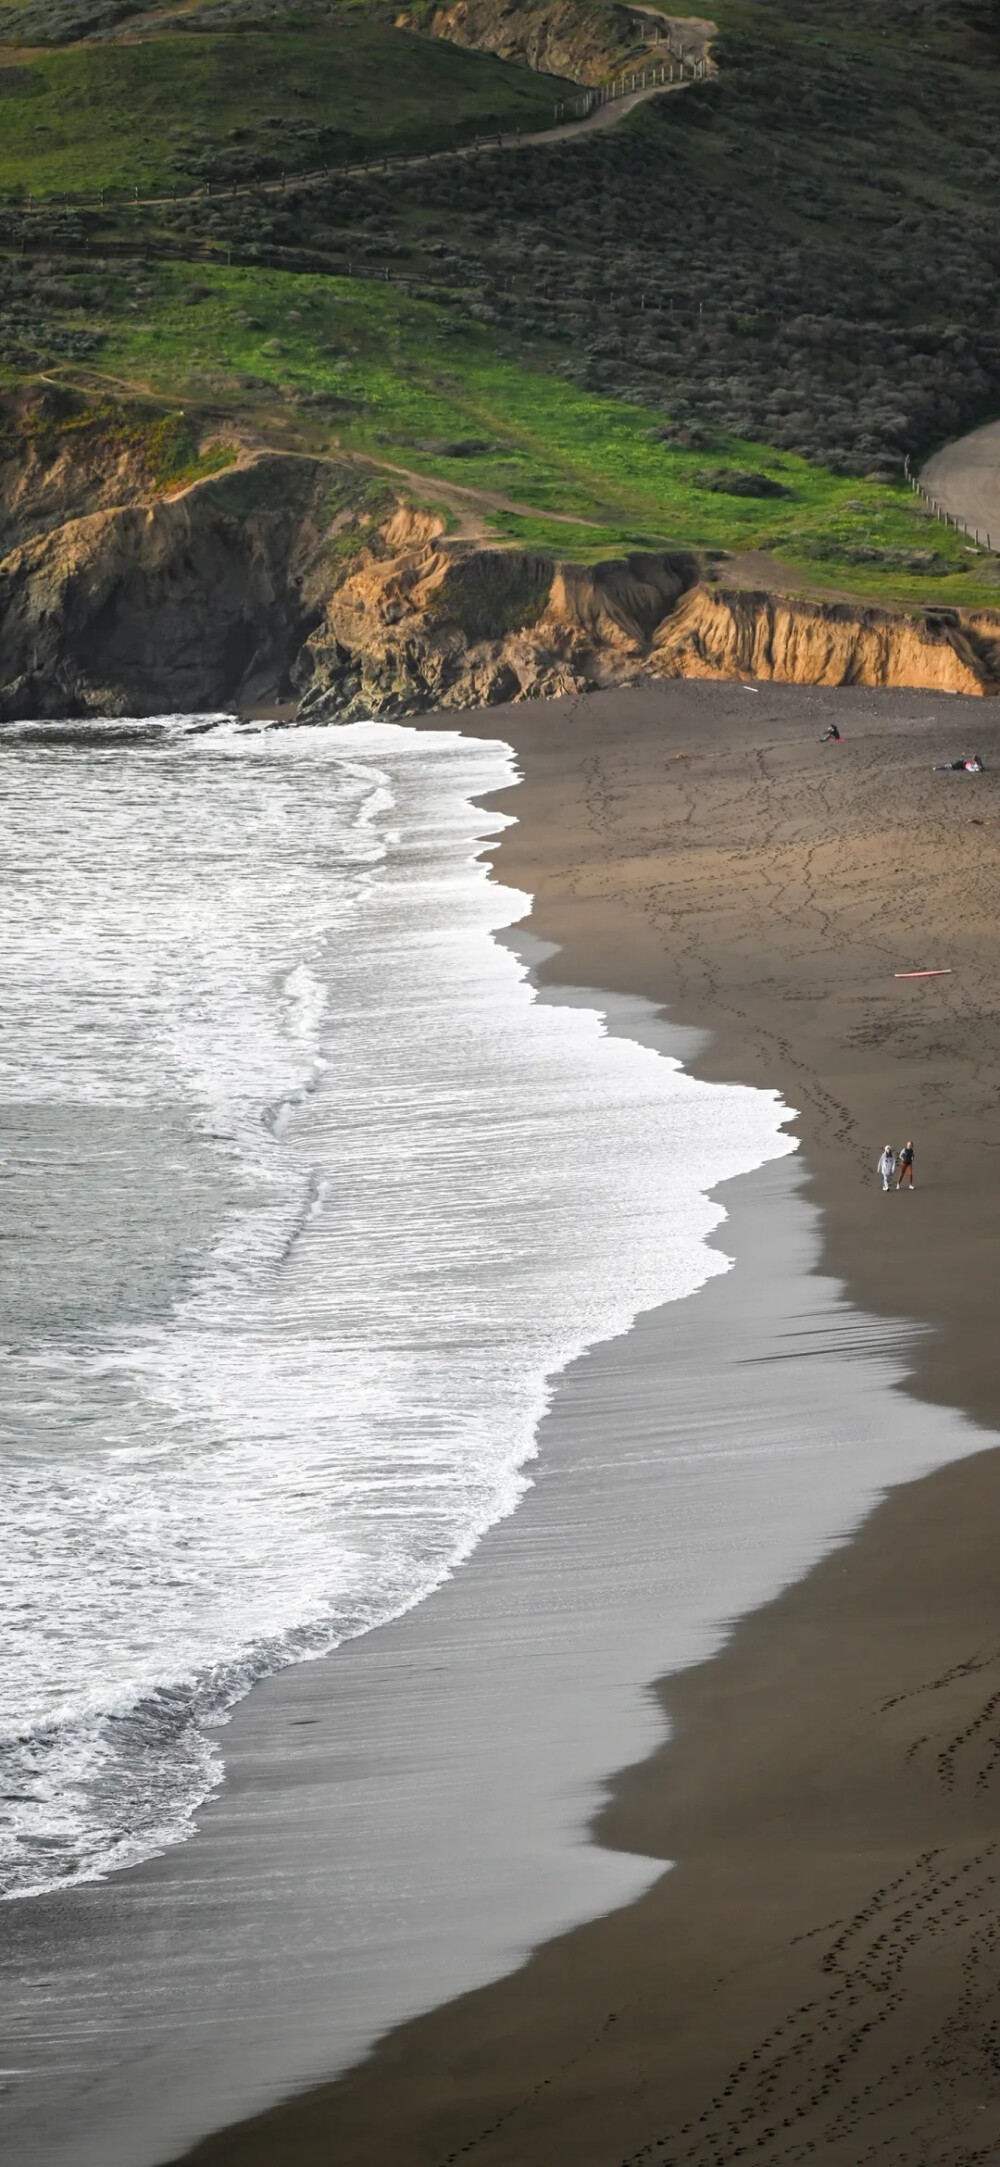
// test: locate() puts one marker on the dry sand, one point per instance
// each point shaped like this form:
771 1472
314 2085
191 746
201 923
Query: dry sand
819 1977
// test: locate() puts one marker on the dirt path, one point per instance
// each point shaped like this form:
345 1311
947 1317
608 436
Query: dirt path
471 506
466 500
964 479
603 116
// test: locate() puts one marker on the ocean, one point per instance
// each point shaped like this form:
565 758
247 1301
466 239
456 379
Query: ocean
306 1200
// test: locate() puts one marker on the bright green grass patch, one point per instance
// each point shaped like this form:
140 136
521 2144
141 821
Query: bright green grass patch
421 388
167 111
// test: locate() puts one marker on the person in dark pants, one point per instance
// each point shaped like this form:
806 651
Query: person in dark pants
906 1165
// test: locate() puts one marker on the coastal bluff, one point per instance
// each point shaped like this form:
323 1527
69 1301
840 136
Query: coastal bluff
285 577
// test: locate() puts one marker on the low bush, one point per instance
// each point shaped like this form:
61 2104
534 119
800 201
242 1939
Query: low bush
738 482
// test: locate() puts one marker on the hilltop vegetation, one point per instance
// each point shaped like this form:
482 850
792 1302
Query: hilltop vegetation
330 364
804 251
789 271
313 88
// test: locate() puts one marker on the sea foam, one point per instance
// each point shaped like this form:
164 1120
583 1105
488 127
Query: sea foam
310 1201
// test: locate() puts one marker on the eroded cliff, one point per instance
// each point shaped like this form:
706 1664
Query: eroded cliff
414 625
584 40
288 577
738 633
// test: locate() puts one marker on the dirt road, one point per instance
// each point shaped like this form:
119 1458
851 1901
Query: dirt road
964 479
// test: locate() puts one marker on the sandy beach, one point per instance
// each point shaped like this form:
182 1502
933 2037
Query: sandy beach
817 1976
790 1883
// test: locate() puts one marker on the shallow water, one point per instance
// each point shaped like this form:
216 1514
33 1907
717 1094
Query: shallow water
305 1200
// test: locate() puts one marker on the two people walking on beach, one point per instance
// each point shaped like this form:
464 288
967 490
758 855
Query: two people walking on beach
890 1165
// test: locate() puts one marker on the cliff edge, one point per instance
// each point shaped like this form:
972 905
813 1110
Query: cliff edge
289 577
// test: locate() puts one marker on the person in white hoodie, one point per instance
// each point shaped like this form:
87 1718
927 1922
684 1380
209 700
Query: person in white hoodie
887 1167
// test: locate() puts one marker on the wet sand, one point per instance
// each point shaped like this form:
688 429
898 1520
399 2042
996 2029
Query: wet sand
817 1977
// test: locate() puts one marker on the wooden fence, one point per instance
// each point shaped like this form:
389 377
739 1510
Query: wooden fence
678 69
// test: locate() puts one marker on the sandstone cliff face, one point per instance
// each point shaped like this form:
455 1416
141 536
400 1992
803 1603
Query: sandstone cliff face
189 604
39 493
199 600
570 38
63 455
726 634
416 625
564 39
292 576
413 626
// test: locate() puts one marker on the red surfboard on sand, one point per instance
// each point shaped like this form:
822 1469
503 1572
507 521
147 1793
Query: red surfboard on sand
924 974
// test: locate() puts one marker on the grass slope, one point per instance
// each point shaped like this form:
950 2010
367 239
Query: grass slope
169 111
804 251
420 387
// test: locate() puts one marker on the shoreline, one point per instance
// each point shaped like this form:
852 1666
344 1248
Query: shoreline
826 1791
716 954
428 1823
575 2036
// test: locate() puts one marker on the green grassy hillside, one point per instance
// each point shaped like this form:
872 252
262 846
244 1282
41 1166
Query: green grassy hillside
787 272
418 388
173 111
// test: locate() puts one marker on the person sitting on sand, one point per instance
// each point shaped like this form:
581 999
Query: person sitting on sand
906 1165
831 735
887 1167
975 766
